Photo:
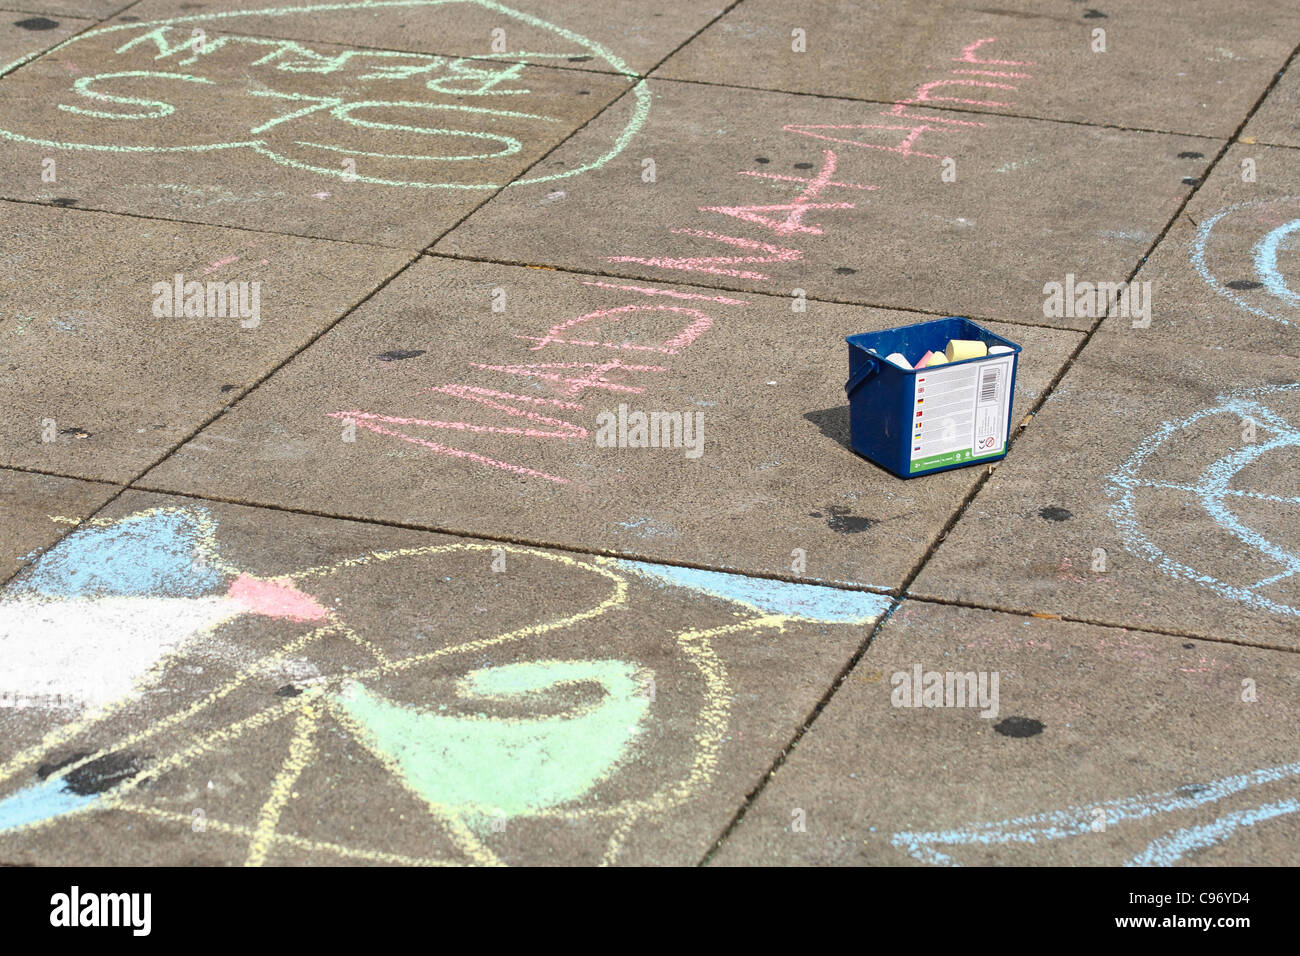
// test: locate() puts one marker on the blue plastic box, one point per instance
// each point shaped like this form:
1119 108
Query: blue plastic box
919 421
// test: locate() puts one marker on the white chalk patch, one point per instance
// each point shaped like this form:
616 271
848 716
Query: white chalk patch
88 652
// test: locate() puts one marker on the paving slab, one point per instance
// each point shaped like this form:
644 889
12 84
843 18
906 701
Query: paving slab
428 408
86 9
98 381
1157 488
28 34
756 190
215 684
613 36
1224 273
321 140
1275 120
37 510
1107 747
1171 66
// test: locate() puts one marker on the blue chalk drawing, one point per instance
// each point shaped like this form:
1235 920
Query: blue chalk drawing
1088 819
153 553
1169 849
1211 491
50 798
1265 260
807 602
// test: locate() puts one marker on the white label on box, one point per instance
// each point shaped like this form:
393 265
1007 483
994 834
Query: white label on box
960 413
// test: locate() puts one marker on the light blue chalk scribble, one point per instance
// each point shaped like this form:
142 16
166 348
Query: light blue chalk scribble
1169 849
40 802
808 602
1265 261
152 553
1212 490
1087 818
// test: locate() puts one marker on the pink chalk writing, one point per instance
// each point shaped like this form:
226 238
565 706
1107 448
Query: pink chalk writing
681 340
675 293
769 216
968 55
595 377
570 378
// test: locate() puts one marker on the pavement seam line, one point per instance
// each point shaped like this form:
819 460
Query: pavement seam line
93 25
199 224
130 485
777 296
803 728
638 80
935 106
983 479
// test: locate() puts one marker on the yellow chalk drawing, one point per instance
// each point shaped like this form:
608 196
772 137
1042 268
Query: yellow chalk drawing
431 756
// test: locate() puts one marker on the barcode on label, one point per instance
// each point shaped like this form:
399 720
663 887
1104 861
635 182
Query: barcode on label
989 378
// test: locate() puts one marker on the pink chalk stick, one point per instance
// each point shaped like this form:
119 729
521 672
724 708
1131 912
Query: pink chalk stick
924 358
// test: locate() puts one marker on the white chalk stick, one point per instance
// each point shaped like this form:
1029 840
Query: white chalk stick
897 359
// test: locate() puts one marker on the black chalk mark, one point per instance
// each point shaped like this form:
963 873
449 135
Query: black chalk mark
36 23
844 271
1055 514
1243 285
1019 727
97 776
288 690
1191 155
842 521
64 201
398 354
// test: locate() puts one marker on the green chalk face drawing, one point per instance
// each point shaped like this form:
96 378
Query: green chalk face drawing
381 117
481 766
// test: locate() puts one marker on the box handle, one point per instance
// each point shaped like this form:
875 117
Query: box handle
865 371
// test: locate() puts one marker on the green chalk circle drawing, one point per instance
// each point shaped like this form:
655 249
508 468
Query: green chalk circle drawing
126 106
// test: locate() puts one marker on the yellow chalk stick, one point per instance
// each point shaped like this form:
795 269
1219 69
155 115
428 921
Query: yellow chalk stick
936 358
959 349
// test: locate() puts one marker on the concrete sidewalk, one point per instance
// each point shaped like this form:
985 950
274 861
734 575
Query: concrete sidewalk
328 562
